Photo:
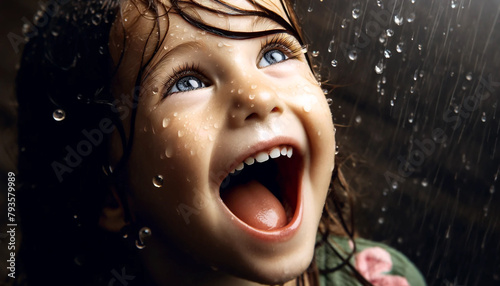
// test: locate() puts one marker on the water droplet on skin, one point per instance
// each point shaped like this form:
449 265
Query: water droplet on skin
399 47
155 90
307 107
389 33
483 117
254 86
334 63
355 13
387 54
59 115
353 55
358 119
169 152
158 181
384 79
210 137
468 76
315 54
424 183
166 122
180 133
398 19
379 67
220 45
240 91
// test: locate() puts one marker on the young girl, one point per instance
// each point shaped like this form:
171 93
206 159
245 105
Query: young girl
182 143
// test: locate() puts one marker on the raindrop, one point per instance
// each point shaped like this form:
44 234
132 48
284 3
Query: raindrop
355 13
180 133
453 4
424 183
59 115
358 119
382 38
166 122
54 33
492 189
381 220
329 101
399 47
101 50
384 79
394 185
380 4
353 55
398 19
387 54
392 102
415 75
336 149
468 76
330 45
383 209
96 19
144 233
334 63
310 9
158 181
411 117
169 152
411 17
343 24
483 117
315 54
419 47
379 67
240 91
220 45
389 32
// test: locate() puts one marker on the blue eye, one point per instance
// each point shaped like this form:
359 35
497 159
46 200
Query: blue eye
272 57
187 83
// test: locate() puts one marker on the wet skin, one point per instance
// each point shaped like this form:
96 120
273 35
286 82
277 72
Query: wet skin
206 104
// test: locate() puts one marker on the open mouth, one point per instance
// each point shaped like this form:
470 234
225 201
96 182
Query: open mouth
262 191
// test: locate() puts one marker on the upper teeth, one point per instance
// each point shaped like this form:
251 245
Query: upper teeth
264 156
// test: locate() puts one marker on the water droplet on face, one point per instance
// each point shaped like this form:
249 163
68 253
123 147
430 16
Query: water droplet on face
389 32
468 76
387 54
180 133
380 4
59 115
307 107
358 119
158 181
166 122
169 152
220 45
155 90
355 13
411 17
382 38
398 19
240 91
424 183
353 55
334 63
254 86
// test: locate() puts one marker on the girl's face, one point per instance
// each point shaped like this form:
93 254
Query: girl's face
210 105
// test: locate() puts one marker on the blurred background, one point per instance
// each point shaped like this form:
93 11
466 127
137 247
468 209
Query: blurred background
414 86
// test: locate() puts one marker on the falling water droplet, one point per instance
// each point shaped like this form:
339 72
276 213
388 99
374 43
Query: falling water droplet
334 63
383 38
336 149
394 185
492 189
398 19
387 54
330 45
355 13
379 67
410 118
343 24
419 47
453 4
166 122
358 119
381 220
383 209
144 233
468 76
384 79
483 117
158 181
315 54
329 101
389 33
380 4
59 115
424 183
411 17
392 102
96 19
399 47
353 55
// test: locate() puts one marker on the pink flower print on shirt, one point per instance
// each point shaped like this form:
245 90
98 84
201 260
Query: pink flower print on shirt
373 263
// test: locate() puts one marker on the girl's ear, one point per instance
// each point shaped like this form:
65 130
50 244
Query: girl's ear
112 215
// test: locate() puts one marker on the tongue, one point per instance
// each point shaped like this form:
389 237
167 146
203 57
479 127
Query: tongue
255 205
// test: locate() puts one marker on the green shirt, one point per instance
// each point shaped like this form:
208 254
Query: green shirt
383 265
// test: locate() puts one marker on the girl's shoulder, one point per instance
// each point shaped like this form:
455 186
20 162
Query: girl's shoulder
377 262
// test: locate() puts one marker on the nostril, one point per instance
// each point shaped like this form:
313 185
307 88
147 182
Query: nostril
275 109
252 116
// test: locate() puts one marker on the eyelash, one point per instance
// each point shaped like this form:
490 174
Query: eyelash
287 44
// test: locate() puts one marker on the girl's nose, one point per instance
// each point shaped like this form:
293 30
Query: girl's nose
254 102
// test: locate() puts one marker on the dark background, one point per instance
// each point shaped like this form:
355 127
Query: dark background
394 89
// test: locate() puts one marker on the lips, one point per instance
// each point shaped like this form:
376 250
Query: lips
262 190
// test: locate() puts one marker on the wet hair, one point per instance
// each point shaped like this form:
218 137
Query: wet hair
66 112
